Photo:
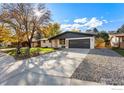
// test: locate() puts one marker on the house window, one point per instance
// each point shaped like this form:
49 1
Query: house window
44 41
62 41
122 39
49 41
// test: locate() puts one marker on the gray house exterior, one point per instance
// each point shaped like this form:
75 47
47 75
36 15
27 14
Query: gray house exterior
70 39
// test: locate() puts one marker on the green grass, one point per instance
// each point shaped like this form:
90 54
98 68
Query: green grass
119 51
41 50
33 52
2 47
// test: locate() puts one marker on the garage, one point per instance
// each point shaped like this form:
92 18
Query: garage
79 43
70 39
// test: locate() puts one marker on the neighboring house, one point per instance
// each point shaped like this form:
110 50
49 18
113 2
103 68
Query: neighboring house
117 40
73 40
6 44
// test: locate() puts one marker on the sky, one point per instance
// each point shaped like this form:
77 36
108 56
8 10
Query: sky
83 16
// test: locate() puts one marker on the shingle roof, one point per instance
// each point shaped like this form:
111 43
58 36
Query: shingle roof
72 32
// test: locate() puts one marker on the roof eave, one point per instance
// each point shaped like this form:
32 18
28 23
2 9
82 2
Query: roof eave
71 32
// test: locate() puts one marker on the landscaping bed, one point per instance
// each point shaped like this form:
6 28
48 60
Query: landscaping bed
33 52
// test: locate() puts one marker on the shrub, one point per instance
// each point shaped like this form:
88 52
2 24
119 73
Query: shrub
99 42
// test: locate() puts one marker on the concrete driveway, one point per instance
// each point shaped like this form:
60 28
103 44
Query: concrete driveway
51 69
60 63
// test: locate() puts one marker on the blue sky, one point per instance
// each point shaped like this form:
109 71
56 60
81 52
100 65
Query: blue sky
87 16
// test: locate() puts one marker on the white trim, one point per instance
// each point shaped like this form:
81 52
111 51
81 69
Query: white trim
92 41
78 38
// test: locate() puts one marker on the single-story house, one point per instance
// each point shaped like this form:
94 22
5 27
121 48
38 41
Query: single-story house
70 39
45 42
117 40
36 43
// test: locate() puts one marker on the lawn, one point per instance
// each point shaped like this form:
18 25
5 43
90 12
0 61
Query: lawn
119 51
33 52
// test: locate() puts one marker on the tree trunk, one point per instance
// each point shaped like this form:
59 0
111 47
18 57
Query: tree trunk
18 52
29 47
29 44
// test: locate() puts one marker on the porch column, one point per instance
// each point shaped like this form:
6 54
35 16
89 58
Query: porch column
66 43
119 42
92 42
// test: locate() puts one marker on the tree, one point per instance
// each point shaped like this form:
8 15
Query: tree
4 33
95 30
75 30
55 29
51 30
37 35
103 35
121 29
88 31
11 21
25 18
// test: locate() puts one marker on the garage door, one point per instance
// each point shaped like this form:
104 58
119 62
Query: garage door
79 43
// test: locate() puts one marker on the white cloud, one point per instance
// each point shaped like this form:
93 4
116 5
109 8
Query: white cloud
70 26
94 22
76 25
84 22
80 20
65 26
105 21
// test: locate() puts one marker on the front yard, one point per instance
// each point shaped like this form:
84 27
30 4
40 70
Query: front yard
33 52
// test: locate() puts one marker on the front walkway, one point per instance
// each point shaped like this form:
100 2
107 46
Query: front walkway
51 69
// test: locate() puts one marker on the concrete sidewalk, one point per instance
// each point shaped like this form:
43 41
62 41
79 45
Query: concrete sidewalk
32 78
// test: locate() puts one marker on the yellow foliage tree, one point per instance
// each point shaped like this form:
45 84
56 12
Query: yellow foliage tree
51 30
99 42
5 34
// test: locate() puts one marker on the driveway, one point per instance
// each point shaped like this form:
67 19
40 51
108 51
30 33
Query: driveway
61 63
51 69
103 66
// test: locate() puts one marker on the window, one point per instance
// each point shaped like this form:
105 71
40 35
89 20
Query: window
122 39
49 41
62 41
43 41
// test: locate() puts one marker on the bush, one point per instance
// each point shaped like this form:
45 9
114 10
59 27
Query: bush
104 35
99 43
99 40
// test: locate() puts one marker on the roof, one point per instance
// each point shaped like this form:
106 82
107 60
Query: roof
44 39
34 40
80 33
118 35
